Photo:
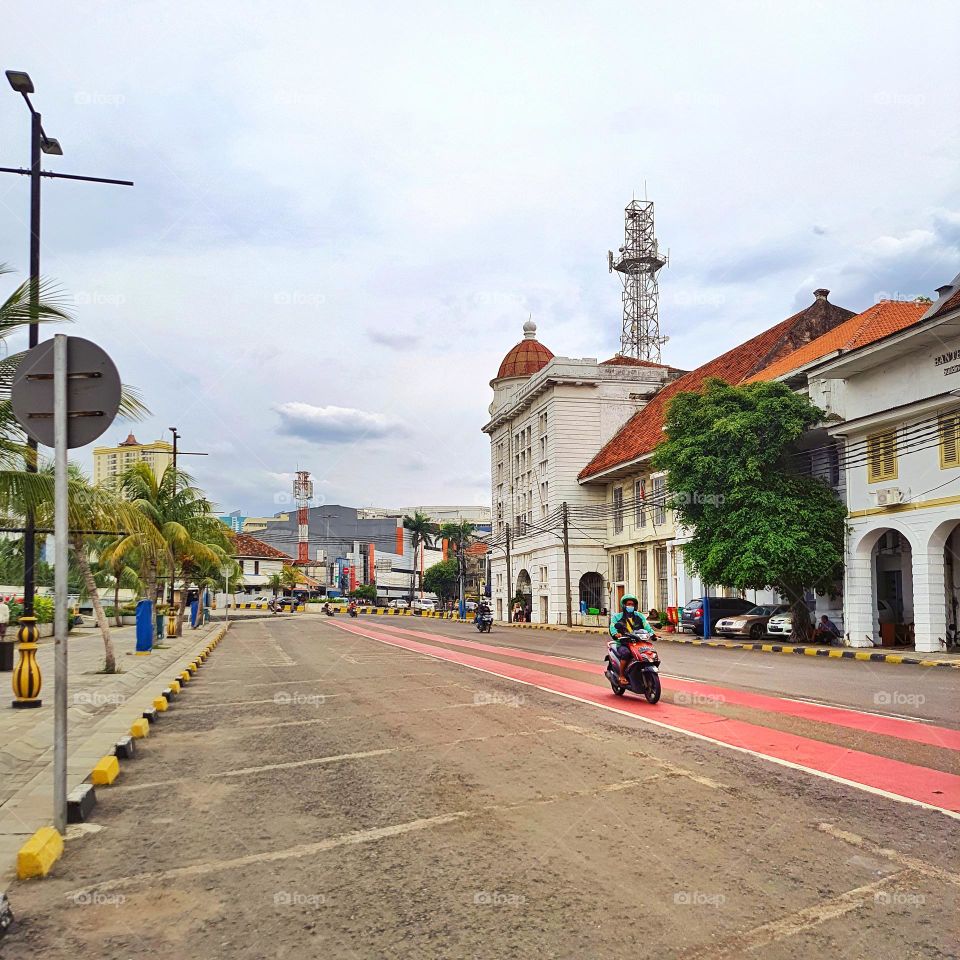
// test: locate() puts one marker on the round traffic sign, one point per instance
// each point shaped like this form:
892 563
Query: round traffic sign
93 392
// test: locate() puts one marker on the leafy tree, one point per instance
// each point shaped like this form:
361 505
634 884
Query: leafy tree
422 531
275 582
756 521
366 592
289 577
442 579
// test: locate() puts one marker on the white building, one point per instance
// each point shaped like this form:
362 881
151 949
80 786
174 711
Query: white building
258 562
548 417
898 400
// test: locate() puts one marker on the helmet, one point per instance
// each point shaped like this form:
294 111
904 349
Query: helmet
629 598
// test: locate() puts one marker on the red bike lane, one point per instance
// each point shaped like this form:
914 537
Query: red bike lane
896 779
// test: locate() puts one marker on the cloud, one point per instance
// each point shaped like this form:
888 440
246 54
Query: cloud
395 341
332 424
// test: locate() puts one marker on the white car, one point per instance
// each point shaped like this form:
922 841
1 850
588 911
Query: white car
399 604
424 604
781 625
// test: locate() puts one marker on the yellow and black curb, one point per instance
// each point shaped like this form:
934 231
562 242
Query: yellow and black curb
831 653
37 856
401 612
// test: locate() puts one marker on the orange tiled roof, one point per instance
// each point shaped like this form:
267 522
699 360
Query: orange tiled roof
880 320
643 432
525 359
247 546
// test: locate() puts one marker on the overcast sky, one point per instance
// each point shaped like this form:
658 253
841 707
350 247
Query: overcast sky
344 212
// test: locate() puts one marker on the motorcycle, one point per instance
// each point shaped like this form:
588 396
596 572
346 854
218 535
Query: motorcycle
352 611
641 674
328 611
484 622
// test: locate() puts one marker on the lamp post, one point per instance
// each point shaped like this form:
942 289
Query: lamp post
226 570
27 674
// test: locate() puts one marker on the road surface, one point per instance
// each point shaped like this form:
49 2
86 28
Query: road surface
405 788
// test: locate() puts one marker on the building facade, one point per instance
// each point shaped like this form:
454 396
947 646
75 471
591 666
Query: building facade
548 416
895 404
258 562
110 463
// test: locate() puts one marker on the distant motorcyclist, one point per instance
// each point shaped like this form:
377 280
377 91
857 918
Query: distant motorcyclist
628 621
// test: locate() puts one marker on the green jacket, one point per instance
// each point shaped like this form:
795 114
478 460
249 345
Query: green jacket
637 621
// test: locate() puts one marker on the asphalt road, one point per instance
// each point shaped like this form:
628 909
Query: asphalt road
395 789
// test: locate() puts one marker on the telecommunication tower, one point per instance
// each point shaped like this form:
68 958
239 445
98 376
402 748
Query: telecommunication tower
638 262
302 495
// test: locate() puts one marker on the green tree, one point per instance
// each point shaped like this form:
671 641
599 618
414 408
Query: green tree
757 522
275 582
289 577
422 531
366 592
442 579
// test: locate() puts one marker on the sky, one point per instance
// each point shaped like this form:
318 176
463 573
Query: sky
344 213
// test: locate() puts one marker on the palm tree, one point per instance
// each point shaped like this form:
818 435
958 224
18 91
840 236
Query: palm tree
459 535
275 582
188 538
422 531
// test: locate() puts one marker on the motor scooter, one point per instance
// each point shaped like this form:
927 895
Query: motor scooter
483 622
641 673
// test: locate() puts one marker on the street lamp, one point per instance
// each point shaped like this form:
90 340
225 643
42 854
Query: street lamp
28 681
226 570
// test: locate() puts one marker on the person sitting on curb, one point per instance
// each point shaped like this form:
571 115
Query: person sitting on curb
826 631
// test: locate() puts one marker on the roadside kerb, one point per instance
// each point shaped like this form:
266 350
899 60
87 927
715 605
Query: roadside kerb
29 810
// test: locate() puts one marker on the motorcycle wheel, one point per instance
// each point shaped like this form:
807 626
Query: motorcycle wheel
651 687
617 689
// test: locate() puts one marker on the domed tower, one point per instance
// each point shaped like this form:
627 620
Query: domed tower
522 361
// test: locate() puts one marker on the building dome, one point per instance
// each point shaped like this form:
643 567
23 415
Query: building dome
528 357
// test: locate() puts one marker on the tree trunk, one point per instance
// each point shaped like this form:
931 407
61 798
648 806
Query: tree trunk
117 620
801 624
80 552
182 606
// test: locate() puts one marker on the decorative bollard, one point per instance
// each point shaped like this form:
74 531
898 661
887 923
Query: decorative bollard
27 680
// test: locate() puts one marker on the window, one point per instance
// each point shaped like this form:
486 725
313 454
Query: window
882 456
950 441
640 503
619 567
642 591
660 560
543 575
659 492
618 510
544 498
256 568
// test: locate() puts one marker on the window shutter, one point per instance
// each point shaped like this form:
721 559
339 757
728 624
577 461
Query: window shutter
950 441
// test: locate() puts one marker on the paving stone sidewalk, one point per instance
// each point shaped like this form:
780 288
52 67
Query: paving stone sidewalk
100 710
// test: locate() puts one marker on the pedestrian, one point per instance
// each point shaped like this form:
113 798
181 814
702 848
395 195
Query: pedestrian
827 631
4 618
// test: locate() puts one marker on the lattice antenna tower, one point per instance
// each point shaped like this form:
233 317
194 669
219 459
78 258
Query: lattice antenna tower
638 262
302 495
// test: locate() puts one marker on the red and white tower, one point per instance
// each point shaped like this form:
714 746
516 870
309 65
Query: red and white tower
302 495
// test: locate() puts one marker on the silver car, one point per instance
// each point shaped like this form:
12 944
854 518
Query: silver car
752 624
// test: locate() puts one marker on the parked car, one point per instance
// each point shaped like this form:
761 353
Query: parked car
282 602
691 617
255 599
399 604
424 604
752 624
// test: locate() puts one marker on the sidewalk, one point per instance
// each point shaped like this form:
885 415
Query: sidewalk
830 653
100 710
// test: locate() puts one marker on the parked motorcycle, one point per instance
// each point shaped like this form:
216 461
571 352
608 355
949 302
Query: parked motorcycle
641 673
484 622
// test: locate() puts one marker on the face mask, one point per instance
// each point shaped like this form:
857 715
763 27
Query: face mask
630 609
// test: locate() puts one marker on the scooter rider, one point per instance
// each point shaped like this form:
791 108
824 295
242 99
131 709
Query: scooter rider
629 620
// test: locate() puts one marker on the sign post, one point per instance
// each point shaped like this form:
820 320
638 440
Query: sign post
65 393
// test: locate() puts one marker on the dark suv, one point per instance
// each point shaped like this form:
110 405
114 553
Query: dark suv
691 617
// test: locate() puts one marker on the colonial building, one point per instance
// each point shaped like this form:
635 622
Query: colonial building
896 403
548 416
644 547
258 562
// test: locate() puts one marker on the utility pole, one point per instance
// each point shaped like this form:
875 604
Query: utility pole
39 143
509 573
566 563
